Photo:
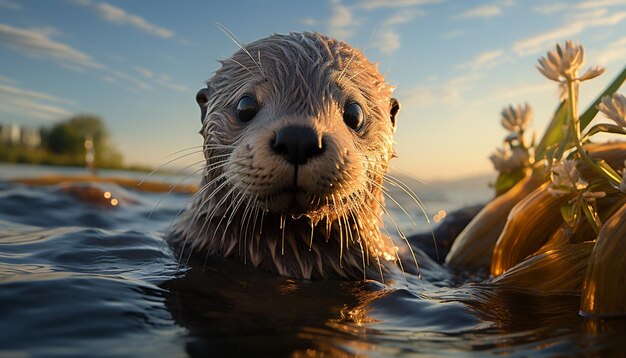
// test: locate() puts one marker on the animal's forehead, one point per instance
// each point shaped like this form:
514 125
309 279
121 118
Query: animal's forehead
299 52
308 69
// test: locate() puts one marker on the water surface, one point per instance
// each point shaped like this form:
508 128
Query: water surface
80 277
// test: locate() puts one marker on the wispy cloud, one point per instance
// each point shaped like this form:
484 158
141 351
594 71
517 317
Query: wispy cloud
377 4
386 41
386 38
515 92
600 3
620 42
15 91
136 84
578 23
445 93
6 4
145 72
345 21
403 17
107 78
169 58
342 22
453 34
483 11
7 80
484 60
161 80
173 86
38 44
615 51
33 104
308 21
550 8
119 16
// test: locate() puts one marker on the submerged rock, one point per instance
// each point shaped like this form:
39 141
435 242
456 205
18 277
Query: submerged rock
445 233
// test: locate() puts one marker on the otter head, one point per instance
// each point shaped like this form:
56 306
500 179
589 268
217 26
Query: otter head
297 124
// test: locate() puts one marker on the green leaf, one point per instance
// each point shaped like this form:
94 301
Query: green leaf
554 133
592 217
570 212
591 112
507 180
615 179
605 128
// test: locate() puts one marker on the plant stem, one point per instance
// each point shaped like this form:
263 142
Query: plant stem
572 102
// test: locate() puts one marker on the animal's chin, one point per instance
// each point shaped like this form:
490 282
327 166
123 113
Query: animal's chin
290 201
297 202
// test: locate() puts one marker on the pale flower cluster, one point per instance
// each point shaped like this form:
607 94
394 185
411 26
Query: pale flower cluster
563 64
516 119
566 180
507 160
515 154
614 107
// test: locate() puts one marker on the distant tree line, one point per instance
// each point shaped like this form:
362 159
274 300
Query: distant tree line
64 144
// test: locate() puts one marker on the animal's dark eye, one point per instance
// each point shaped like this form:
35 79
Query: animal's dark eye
247 108
353 116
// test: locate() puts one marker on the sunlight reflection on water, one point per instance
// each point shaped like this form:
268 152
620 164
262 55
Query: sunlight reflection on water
82 278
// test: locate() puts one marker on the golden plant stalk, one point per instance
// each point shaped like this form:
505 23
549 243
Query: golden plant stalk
535 219
558 269
564 232
529 226
473 247
604 289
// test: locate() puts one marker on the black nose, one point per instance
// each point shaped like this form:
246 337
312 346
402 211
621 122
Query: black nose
298 144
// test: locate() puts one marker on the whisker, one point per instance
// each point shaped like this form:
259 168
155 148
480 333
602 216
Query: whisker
386 192
409 174
233 38
215 230
203 146
200 191
398 229
343 71
399 184
163 165
362 71
172 187
208 215
242 66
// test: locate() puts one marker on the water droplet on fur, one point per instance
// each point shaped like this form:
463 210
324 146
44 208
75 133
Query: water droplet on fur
283 224
328 227
312 229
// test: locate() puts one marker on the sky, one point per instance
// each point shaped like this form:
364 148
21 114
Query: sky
455 65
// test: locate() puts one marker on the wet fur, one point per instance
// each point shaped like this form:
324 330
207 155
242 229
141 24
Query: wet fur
303 78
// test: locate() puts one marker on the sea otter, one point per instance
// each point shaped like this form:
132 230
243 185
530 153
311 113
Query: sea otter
298 133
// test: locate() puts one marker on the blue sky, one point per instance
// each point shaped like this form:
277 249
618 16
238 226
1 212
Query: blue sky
138 64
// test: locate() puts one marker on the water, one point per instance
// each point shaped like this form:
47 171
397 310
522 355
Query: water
79 277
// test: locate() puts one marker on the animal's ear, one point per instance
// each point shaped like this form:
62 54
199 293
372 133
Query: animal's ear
202 97
394 106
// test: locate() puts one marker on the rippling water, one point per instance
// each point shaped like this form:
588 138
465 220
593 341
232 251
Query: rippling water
79 277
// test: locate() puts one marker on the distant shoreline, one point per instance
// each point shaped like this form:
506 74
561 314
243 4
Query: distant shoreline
40 156
131 168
